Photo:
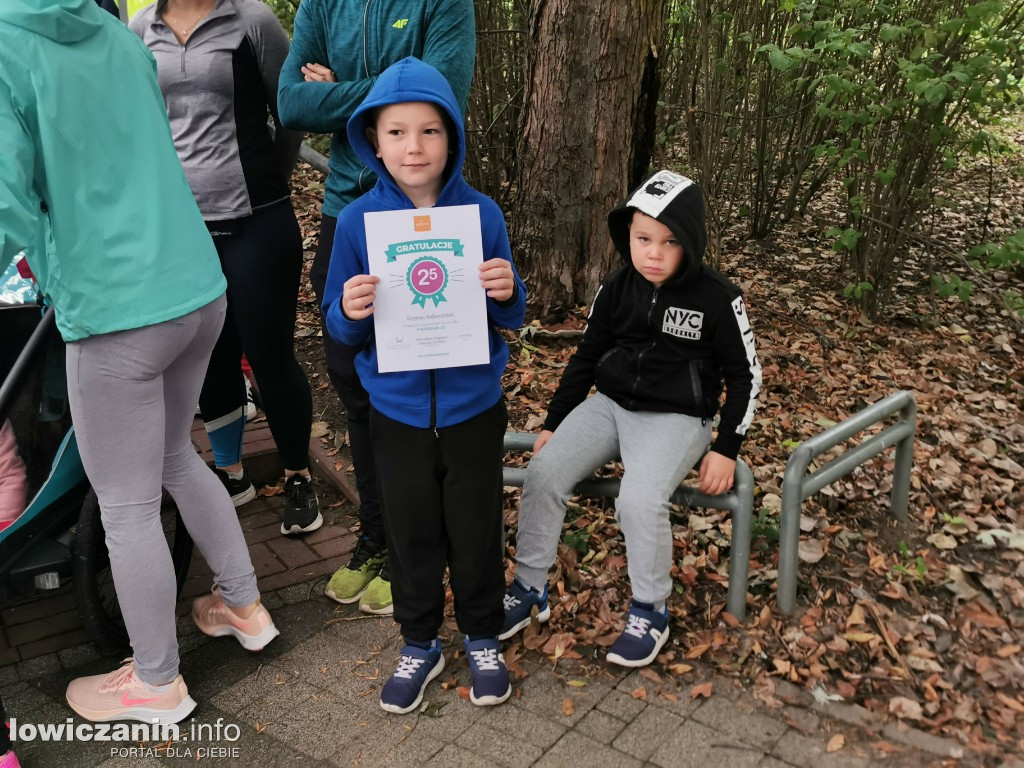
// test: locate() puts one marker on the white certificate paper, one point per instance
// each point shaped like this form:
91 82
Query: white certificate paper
430 310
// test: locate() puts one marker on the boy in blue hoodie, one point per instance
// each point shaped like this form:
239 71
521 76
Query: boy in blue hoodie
437 434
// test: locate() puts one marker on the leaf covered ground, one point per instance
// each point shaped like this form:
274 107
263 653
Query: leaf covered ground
922 620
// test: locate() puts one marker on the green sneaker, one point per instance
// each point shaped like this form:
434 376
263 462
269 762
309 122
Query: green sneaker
349 583
377 597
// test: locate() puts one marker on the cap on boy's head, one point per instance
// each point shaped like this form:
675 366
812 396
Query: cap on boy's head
675 201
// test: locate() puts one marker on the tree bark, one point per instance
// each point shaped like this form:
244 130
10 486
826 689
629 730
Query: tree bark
587 135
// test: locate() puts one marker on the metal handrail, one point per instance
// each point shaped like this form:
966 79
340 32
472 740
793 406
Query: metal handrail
739 501
797 485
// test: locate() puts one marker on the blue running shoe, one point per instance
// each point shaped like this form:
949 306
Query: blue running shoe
641 641
488 671
403 692
519 602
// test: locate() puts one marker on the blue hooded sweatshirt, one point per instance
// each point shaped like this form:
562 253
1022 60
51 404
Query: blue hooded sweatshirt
428 398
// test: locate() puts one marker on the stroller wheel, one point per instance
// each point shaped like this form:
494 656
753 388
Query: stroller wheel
94 585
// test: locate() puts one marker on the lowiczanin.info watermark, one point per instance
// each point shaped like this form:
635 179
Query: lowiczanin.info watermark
147 739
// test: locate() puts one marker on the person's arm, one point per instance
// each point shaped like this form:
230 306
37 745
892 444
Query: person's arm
271 45
19 208
449 44
741 372
579 374
347 262
320 107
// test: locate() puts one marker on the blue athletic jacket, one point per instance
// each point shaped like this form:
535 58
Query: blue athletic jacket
445 396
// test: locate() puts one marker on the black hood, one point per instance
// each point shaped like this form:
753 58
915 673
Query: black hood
675 201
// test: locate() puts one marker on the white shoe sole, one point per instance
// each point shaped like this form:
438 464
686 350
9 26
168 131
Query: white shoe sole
297 529
345 600
614 658
542 617
141 714
249 642
396 710
388 610
244 497
490 701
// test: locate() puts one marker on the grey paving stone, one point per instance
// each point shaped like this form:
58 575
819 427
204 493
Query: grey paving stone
920 740
600 726
800 718
773 762
414 750
810 751
642 737
622 705
271 600
70 658
524 725
456 757
8 675
574 750
452 716
503 748
269 682
737 720
19 701
543 695
697 746
41 666
297 593
130 762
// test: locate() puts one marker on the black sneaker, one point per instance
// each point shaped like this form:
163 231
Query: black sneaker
301 508
241 490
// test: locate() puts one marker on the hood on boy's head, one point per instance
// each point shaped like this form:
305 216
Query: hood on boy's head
407 80
63 21
675 201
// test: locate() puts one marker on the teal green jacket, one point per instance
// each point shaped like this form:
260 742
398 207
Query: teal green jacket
91 188
357 40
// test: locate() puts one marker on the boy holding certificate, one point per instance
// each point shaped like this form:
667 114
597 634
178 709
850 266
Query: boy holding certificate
436 433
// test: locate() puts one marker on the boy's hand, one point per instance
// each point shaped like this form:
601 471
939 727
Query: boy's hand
497 279
541 440
716 473
358 295
318 73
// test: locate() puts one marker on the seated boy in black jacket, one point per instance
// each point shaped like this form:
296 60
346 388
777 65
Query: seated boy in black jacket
665 332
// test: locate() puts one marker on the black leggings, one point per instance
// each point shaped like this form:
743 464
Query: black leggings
261 256
442 506
341 367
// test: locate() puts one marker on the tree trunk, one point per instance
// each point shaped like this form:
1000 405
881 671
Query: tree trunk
587 136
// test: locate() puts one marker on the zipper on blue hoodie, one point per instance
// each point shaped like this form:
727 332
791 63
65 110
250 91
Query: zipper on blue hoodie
433 403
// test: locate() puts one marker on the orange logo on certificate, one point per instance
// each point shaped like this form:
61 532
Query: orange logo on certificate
421 223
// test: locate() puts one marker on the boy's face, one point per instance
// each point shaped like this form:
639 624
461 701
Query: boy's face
653 248
412 142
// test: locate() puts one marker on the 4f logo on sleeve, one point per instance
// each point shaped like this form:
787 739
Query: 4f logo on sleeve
684 323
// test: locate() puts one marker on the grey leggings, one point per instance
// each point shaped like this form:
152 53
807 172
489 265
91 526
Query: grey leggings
133 396
657 451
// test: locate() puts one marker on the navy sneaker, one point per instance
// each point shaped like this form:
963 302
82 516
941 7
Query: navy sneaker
519 602
488 671
641 641
403 692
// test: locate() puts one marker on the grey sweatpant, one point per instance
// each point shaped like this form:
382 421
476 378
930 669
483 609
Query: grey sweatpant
657 450
133 396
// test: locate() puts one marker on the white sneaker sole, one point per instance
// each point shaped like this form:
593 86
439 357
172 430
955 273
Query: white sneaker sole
345 600
387 610
297 529
249 642
141 714
244 497
542 617
490 701
396 710
614 658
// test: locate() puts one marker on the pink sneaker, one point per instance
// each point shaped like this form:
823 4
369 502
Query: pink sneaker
120 695
9 760
215 619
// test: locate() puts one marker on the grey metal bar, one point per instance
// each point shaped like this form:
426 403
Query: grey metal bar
797 485
739 501
309 155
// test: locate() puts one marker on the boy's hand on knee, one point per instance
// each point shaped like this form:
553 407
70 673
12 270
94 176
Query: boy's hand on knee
358 295
716 473
497 279
541 440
